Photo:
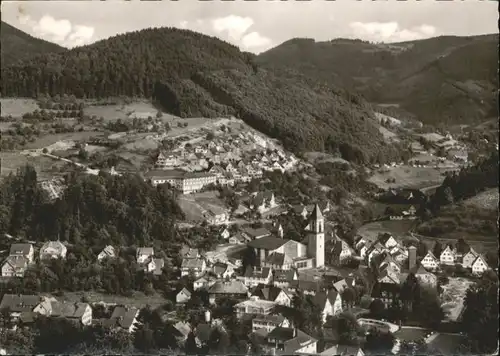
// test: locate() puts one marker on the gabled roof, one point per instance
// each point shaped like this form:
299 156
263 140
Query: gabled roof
262 273
56 245
17 262
125 317
316 213
341 350
268 243
228 287
19 303
270 318
292 340
306 285
256 233
185 291
278 259
430 254
479 258
68 310
20 249
267 292
284 276
321 297
192 263
219 268
144 251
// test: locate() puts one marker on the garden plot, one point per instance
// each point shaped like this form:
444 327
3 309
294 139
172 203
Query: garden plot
452 297
17 107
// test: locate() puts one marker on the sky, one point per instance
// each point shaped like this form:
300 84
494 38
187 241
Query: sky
254 26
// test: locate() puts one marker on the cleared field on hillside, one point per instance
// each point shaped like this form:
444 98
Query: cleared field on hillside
138 299
193 205
17 107
50 139
398 228
121 111
409 177
45 166
485 200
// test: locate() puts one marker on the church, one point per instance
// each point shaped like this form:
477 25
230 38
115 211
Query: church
284 254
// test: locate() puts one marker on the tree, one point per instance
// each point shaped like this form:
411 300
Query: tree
437 249
190 347
428 308
347 328
249 258
144 339
210 136
159 114
462 246
480 316
377 307
379 342
349 296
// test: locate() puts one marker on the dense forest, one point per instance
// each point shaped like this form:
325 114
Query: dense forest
18 45
94 210
190 74
444 79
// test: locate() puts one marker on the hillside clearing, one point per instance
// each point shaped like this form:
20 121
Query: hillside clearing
485 200
399 228
17 107
409 177
138 299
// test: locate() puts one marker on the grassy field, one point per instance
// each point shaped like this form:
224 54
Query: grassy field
193 205
453 296
138 299
45 167
121 111
17 107
48 140
409 177
398 228
485 200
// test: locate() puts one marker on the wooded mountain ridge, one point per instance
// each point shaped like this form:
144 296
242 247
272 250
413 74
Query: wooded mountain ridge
445 79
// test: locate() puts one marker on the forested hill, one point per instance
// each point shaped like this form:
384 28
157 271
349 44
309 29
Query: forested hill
439 80
18 45
191 74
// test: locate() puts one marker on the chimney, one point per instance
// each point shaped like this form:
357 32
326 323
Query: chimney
412 257
207 316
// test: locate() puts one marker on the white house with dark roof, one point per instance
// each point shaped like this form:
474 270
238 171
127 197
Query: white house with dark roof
183 296
430 262
254 306
14 266
286 341
469 258
197 266
329 302
255 276
154 265
108 252
255 234
53 249
78 312
25 250
343 350
233 289
123 318
143 254
447 257
269 322
479 266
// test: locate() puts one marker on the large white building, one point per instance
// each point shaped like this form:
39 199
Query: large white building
282 251
186 182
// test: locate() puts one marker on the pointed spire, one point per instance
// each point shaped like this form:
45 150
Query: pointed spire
316 214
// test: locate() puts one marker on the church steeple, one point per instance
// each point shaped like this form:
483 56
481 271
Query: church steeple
316 243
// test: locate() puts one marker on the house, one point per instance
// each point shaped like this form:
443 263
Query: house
469 258
458 155
389 276
278 261
341 251
479 266
286 341
224 233
307 287
222 270
447 257
200 283
388 241
343 350
191 265
181 330
78 312
254 306
262 201
273 294
424 277
233 289
284 278
188 252
255 276
14 266
123 318
301 210
430 262
389 262
329 302
25 250
237 239
19 304
53 249
107 252
269 322
255 234
143 254
154 265
167 160
183 296
215 215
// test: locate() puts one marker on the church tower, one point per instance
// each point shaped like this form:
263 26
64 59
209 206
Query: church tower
316 237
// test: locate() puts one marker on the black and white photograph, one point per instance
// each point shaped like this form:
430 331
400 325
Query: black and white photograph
249 177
